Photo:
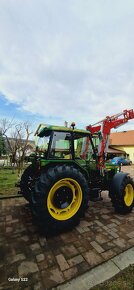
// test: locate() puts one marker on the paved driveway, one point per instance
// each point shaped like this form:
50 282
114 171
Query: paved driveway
39 263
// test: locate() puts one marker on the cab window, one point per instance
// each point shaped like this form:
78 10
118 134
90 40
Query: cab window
61 146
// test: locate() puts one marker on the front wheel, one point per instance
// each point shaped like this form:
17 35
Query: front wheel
122 193
60 198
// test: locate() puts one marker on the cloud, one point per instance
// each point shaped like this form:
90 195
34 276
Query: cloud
67 60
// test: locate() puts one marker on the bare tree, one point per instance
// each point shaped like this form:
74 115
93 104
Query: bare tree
17 137
5 126
23 134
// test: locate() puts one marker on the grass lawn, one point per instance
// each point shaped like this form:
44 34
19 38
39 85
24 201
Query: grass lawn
7 181
122 281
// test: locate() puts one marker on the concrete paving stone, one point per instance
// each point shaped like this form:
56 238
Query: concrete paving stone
42 265
109 245
3 274
113 234
108 254
76 260
62 262
82 267
27 267
11 271
84 223
35 246
69 251
14 221
131 218
104 211
8 217
25 238
70 273
111 225
131 234
105 216
119 217
92 257
97 247
9 230
131 241
124 259
55 245
42 241
67 238
80 229
101 238
52 277
77 244
86 243
40 257
120 243
105 228
90 222
115 221
18 257
81 249
50 258
115 230
99 223
126 228
86 229
38 286
99 230
23 230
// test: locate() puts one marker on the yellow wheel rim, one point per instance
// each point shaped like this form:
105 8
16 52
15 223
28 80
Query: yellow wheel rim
129 194
64 199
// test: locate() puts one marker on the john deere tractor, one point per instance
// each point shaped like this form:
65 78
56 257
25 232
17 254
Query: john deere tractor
64 176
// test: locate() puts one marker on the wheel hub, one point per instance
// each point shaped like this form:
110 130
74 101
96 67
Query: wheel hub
64 199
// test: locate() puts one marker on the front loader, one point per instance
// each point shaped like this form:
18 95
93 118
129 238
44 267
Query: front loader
69 169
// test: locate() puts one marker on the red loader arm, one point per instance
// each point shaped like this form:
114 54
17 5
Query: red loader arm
104 127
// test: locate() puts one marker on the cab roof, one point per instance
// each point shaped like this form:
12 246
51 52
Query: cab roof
44 130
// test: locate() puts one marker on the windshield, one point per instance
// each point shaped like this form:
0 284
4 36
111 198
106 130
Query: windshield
42 144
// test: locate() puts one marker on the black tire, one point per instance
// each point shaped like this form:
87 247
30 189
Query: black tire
46 204
122 193
27 182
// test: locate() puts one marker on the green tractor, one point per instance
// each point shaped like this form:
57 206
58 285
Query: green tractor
64 176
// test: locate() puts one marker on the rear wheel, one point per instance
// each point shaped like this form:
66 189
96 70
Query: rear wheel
26 182
122 193
60 198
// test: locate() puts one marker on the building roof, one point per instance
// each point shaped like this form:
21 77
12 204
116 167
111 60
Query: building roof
122 138
115 151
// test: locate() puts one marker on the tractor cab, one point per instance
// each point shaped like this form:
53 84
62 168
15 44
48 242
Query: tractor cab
57 143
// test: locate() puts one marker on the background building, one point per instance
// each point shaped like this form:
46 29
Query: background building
123 141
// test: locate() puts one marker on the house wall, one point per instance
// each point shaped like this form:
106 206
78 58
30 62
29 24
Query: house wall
128 149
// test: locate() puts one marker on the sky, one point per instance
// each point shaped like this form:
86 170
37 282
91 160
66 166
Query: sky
67 60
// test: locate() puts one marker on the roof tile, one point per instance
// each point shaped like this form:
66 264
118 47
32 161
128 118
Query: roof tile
122 138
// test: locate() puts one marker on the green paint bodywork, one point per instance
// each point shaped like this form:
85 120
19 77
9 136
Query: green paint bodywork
87 167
